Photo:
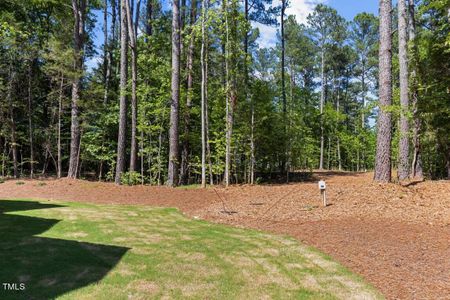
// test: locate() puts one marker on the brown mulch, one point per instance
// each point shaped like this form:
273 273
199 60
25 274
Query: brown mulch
396 237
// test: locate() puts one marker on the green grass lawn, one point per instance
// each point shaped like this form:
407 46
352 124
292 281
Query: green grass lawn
83 251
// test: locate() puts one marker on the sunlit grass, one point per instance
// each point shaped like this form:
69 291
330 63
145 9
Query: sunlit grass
85 251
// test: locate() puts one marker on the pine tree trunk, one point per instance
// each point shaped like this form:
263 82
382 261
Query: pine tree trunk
363 96
448 163
132 34
172 179
228 114
121 141
208 148
203 90
141 150
79 11
338 140
252 143
4 157
416 167
149 16
230 95
184 172
403 168
249 99
322 102
30 119
107 53
363 117
384 134
283 85
292 84
59 126
159 154
329 153
114 9
12 123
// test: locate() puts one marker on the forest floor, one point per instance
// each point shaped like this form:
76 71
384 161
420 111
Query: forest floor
396 237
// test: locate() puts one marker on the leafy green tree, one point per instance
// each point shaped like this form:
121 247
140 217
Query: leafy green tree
327 27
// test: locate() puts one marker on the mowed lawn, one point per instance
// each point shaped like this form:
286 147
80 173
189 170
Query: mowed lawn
83 251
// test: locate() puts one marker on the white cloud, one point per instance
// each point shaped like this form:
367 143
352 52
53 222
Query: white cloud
299 8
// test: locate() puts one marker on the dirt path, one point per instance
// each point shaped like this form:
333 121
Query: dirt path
398 238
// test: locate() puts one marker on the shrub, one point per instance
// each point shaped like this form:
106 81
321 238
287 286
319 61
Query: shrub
131 178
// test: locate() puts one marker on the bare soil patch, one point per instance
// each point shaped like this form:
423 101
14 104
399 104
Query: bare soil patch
396 237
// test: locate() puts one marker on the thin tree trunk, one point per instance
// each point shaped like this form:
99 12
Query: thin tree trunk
44 168
329 153
149 160
384 134
232 89
208 148
339 154
338 140
363 117
148 23
357 159
249 99
132 34
107 64
447 163
416 167
403 168
107 51
228 108
79 11
30 119
59 172
187 116
363 96
21 165
121 141
142 156
252 143
322 101
172 179
159 154
114 9
78 167
105 48
12 122
203 90
283 85
289 136
4 157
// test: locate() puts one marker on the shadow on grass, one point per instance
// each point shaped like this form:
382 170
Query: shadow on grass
47 267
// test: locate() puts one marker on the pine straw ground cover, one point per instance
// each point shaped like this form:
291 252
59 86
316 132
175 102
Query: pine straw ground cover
396 237
90 251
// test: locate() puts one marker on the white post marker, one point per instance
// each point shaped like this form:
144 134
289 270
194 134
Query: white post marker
322 188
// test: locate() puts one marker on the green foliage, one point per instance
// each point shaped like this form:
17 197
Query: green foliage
131 178
36 41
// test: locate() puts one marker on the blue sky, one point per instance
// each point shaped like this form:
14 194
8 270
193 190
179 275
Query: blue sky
349 8
300 8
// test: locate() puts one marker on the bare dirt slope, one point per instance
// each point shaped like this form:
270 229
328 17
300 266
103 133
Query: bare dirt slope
397 237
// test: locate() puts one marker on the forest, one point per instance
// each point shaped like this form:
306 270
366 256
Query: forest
182 93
